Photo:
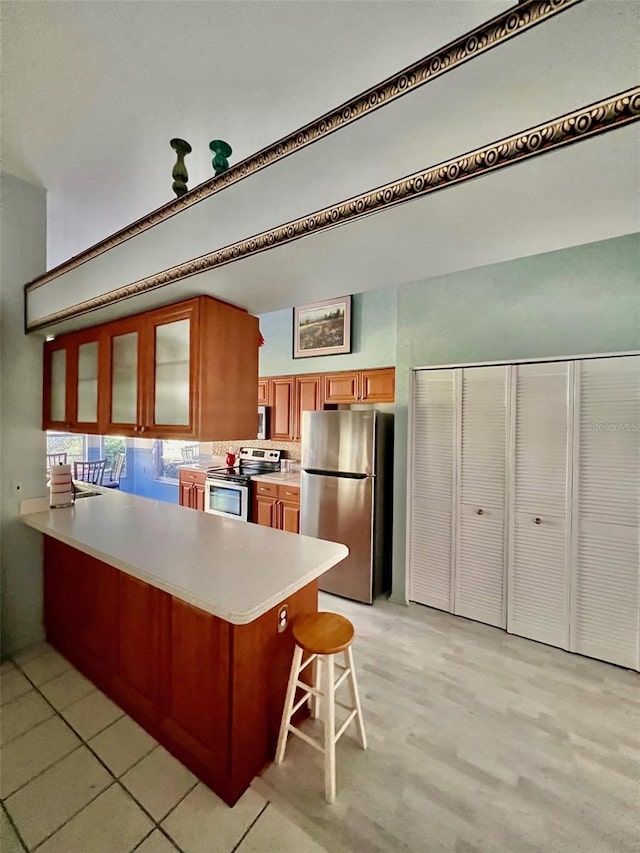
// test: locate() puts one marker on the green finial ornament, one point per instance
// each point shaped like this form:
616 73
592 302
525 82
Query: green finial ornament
221 150
180 174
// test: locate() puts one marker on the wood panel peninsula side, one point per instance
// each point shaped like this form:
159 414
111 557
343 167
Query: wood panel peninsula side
175 615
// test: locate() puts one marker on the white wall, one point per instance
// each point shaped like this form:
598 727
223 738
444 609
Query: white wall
22 442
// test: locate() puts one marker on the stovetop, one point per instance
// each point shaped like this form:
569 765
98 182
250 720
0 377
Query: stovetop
251 460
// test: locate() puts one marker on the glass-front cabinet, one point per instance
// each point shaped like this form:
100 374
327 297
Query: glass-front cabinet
71 380
185 371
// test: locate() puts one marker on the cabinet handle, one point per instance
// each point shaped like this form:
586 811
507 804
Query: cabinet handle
537 521
480 512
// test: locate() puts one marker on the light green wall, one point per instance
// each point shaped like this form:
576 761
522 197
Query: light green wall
571 302
22 447
373 338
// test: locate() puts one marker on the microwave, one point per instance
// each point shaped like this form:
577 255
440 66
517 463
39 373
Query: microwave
263 422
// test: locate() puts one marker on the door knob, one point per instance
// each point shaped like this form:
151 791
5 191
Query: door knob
480 512
538 521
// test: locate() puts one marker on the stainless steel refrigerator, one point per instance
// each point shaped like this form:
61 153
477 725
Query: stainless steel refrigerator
346 483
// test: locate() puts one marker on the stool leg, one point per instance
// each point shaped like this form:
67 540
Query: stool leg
288 704
317 683
355 697
329 715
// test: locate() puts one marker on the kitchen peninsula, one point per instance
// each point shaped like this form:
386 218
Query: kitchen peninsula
178 616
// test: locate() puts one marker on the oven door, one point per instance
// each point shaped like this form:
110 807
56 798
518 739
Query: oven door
228 499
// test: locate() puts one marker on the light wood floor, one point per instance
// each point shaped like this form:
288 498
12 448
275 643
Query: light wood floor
478 742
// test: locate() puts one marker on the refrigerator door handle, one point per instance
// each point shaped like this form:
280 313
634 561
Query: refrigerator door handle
346 476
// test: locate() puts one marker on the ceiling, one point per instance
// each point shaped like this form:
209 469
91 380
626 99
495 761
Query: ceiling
93 91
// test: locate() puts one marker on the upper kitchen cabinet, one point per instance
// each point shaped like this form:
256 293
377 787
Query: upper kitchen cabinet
263 392
289 396
71 368
186 371
360 386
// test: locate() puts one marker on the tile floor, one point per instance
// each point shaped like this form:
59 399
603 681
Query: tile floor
80 776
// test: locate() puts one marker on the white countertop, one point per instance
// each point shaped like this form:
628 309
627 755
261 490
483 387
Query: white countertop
281 478
229 568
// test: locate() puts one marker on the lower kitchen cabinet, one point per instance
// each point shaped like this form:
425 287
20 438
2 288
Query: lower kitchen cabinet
191 485
277 506
209 691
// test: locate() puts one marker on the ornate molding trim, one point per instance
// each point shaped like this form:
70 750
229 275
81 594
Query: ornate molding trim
478 41
592 120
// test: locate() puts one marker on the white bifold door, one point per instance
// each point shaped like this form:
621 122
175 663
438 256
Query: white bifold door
605 614
457 507
539 521
524 500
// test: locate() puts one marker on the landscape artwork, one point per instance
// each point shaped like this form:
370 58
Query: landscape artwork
322 328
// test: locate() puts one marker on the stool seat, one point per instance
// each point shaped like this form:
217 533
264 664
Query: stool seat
322 636
323 633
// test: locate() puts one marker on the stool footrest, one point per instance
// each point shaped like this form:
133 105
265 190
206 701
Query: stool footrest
311 741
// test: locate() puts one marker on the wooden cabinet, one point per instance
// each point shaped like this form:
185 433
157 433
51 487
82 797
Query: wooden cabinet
282 395
71 382
288 397
191 486
209 691
277 506
186 371
263 392
360 386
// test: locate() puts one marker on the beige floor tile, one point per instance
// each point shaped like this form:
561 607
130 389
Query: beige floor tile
274 831
44 667
33 752
202 823
9 842
91 714
112 823
156 843
34 651
13 684
46 803
159 781
122 745
65 689
23 714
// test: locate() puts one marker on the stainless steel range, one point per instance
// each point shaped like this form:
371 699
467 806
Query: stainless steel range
227 490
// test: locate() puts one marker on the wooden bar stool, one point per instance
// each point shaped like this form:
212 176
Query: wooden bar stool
322 636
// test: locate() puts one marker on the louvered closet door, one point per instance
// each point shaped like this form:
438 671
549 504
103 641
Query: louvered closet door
605 616
538 598
432 487
480 535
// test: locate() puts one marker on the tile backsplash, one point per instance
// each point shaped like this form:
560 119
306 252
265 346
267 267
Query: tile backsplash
290 449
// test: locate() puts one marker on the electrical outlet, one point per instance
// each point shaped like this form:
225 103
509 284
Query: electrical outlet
283 618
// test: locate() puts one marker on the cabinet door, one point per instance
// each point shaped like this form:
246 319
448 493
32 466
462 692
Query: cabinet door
87 390
432 487
56 404
289 497
605 617
480 536
186 490
342 387
538 601
283 411
124 365
198 496
308 396
263 392
378 386
266 511
169 393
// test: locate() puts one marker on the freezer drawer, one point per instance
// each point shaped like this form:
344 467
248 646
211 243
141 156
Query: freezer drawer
340 509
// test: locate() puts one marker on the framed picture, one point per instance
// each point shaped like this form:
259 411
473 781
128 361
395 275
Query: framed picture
322 328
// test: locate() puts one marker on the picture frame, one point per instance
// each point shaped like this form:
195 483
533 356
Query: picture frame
322 328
